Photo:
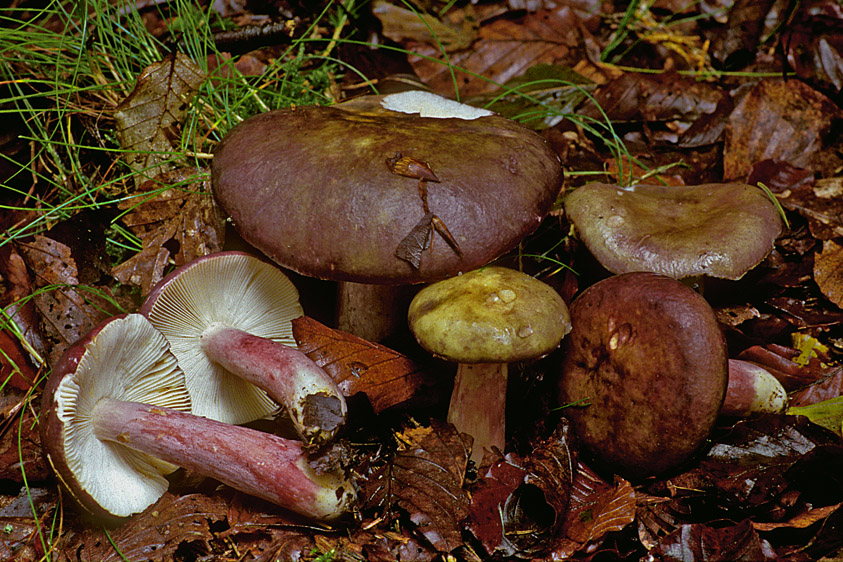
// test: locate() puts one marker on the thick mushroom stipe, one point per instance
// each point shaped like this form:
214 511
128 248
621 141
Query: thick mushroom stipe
645 370
718 230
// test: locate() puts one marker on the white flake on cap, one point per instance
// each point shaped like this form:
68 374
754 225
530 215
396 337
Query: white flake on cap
427 104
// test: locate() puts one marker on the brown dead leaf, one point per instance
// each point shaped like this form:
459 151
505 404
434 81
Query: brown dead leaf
800 521
149 119
357 365
820 203
828 271
185 217
20 449
425 479
67 310
156 533
456 30
596 508
778 119
505 48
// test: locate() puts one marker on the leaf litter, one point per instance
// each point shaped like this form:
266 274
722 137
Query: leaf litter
763 488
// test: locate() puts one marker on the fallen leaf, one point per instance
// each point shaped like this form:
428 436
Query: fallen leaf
821 203
385 376
179 224
505 48
67 310
814 44
20 449
455 30
828 271
149 119
425 479
704 543
784 120
828 414
800 521
155 534
519 504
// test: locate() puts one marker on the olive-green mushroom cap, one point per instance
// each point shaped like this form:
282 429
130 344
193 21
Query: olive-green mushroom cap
490 315
312 188
719 230
646 364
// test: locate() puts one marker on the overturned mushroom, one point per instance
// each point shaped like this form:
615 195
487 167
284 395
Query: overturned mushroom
644 371
718 230
228 318
484 320
115 421
383 190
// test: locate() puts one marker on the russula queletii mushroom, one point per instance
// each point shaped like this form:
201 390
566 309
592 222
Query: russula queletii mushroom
382 191
645 371
228 318
484 320
752 390
717 230
115 420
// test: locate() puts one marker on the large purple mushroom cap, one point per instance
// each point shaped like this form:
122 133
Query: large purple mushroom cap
322 191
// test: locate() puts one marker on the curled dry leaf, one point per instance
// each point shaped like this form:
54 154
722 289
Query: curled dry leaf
178 225
779 119
828 271
357 365
518 506
67 310
425 479
150 118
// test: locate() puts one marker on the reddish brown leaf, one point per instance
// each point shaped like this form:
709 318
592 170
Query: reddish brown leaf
425 479
777 119
20 447
821 204
828 271
186 217
800 521
703 543
357 365
505 48
156 533
67 311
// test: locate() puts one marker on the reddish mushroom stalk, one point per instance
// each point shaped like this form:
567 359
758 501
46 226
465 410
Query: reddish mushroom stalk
257 463
478 405
286 374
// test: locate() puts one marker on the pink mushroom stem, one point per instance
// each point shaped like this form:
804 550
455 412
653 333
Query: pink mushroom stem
288 376
478 405
260 464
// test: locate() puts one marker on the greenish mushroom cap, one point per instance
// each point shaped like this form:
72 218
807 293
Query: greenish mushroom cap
491 315
719 230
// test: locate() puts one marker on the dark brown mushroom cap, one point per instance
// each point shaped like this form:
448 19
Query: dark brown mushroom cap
647 355
311 188
720 230
491 315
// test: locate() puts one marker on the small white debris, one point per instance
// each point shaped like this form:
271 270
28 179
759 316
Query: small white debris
427 104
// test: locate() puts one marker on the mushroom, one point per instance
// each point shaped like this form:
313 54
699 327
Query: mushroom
752 390
484 320
645 372
383 190
115 420
228 318
718 230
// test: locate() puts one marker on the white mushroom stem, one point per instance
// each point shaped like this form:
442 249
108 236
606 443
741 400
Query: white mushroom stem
256 463
752 390
478 405
311 397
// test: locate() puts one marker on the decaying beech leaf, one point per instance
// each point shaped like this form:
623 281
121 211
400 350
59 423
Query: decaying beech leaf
178 224
357 365
779 119
519 504
456 30
156 533
828 271
67 310
412 246
20 448
704 543
149 119
821 203
425 479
